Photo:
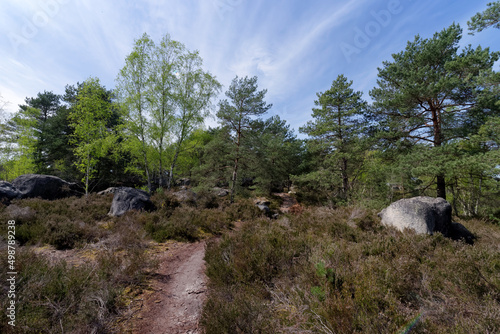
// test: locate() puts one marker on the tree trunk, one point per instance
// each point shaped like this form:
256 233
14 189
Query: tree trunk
171 174
147 173
441 186
234 178
345 178
440 178
160 177
87 176
236 160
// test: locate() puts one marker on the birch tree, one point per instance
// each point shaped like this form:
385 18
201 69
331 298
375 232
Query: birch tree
89 121
133 87
196 89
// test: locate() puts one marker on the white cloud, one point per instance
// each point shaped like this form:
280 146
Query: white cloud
292 46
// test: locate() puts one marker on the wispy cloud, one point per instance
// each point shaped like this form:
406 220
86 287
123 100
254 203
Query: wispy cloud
291 45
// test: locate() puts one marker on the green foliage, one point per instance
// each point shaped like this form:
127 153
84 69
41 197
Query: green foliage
336 131
18 137
429 89
89 120
490 17
245 102
274 153
215 160
165 96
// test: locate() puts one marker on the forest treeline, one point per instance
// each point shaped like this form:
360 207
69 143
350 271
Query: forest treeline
433 128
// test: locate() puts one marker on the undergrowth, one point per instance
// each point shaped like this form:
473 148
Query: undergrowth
53 296
66 223
318 270
339 271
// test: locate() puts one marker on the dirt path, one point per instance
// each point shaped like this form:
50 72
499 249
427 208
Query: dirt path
179 290
288 202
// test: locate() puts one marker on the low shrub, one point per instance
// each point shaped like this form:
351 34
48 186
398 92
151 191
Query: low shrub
57 297
339 271
63 223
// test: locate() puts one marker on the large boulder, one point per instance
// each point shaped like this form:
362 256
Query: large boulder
126 199
44 186
424 215
8 192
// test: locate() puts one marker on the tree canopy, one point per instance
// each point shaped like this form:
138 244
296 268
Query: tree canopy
490 17
432 128
427 92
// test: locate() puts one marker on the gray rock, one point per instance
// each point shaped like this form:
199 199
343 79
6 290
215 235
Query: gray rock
44 186
185 195
424 215
220 191
264 208
110 190
127 199
263 205
8 192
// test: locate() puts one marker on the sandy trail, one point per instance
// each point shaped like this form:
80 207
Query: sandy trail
179 291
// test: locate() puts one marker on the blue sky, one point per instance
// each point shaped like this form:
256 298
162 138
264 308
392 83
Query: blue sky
296 48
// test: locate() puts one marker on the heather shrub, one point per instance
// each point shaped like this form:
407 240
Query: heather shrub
244 210
207 200
64 223
340 271
57 297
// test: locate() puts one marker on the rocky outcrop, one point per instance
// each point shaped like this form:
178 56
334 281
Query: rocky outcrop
8 192
424 215
460 232
263 205
127 199
44 186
